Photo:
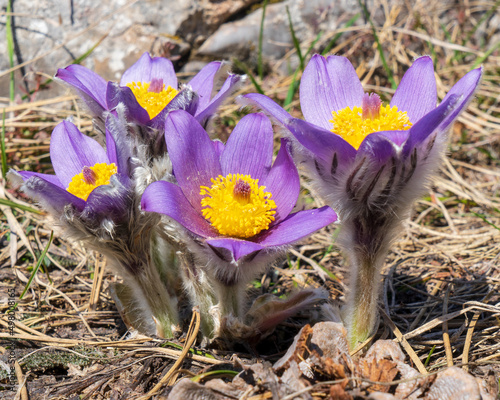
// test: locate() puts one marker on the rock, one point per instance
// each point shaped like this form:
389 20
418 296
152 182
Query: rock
327 339
186 389
240 38
330 340
381 396
454 384
411 390
73 28
193 67
385 349
227 389
191 19
292 379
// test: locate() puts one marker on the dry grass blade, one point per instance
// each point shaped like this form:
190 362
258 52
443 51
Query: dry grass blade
470 332
446 335
22 392
435 322
194 327
97 282
409 350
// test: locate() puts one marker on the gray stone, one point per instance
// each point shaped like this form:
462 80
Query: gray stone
454 384
185 389
193 67
240 38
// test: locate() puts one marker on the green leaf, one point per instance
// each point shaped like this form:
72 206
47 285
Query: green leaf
483 217
191 350
480 60
13 204
2 148
429 356
246 70
296 43
222 373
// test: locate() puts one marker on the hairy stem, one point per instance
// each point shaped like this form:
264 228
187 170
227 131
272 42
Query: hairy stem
163 306
230 300
361 310
200 292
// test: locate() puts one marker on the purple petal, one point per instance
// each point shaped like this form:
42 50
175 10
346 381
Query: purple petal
111 201
238 248
328 85
52 196
192 153
49 178
398 138
465 88
146 69
116 142
111 147
168 198
219 147
90 86
186 100
283 182
434 120
229 86
322 143
297 226
268 106
249 149
70 151
203 83
117 94
381 146
417 93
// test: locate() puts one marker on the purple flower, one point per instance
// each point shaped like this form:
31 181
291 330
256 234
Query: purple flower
339 116
93 181
149 90
234 202
93 198
369 161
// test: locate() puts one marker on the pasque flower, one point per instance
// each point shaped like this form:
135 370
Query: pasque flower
149 89
233 201
92 198
369 161
90 179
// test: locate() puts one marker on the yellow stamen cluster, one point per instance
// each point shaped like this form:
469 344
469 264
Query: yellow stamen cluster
237 206
82 187
153 102
349 123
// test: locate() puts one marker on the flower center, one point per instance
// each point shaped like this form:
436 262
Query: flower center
86 181
237 206
355 124
152 96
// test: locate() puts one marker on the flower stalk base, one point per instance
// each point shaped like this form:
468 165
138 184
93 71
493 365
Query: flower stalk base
360 312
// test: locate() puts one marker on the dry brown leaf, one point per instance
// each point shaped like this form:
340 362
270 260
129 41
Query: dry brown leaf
337 392
298 351
379 371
